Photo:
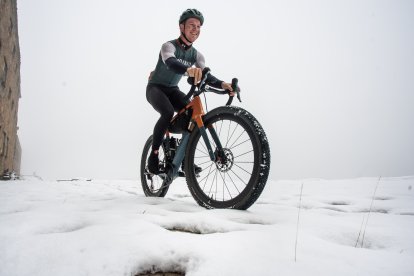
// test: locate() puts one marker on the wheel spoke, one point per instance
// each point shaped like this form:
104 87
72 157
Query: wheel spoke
243 169
239 177
202 157
234 130
234 184
202 163
227 188
228 133
212 182
243 154
207 176
205 153
237 138
233 147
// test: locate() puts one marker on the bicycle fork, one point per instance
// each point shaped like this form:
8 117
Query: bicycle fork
198 112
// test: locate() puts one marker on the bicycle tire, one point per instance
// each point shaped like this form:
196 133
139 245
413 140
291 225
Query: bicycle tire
152 185
232 194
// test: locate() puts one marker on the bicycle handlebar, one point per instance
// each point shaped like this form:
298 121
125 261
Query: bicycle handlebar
204 87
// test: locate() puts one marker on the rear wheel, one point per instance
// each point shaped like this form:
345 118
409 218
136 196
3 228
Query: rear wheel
239 174
151 183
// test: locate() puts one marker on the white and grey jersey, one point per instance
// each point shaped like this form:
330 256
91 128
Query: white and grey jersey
174 59
168 51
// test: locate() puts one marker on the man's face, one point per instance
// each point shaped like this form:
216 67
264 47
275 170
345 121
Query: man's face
191 28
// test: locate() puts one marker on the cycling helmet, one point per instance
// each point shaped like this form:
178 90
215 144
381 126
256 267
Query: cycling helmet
191 13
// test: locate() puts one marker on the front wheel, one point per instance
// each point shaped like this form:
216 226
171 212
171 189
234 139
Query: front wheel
238 175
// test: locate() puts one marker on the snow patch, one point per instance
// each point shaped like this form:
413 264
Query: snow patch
107 228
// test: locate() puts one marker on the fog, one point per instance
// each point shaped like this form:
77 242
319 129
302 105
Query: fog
330 81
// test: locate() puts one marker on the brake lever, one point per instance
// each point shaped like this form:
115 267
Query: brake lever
236 89
201 85
238 94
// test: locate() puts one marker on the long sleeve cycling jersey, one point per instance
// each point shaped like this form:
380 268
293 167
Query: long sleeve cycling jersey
173 61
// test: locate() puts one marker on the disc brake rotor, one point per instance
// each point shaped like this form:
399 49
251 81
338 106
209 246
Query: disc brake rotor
224 160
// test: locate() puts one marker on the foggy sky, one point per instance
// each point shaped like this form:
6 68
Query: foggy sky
330 81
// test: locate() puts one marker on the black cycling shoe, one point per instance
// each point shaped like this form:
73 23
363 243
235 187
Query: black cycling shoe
153 163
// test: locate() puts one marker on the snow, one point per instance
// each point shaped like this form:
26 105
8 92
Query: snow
103 227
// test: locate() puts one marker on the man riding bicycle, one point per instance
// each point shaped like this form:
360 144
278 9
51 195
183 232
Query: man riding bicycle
177 58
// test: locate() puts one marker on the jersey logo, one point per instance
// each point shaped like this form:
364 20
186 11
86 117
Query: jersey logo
185 62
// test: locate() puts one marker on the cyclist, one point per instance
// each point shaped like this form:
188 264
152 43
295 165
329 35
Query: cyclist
177 58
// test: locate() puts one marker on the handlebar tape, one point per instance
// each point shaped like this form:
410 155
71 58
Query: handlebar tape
234 83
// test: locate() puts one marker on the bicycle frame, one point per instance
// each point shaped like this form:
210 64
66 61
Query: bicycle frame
197 114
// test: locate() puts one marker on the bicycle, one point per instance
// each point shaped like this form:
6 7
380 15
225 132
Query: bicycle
228 169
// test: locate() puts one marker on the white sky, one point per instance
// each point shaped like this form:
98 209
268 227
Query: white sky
330 81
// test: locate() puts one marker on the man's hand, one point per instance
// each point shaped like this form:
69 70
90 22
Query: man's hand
227 86
195 73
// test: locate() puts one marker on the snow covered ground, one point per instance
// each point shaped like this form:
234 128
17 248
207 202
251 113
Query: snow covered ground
111 228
